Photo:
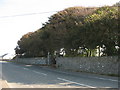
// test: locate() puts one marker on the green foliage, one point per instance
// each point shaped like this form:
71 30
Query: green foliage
72 29
103 25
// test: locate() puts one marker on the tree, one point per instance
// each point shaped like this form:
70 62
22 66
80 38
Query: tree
74 29
102 29
65 25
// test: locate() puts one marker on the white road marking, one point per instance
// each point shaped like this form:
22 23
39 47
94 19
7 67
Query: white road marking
25 69
89 76
40 73
36 72
106 79
75 83
68 73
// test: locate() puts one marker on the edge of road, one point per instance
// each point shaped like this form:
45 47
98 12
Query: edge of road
67 70
71 72
4 83
91 75
57 70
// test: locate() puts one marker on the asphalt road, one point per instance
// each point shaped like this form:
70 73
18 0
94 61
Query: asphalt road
30 76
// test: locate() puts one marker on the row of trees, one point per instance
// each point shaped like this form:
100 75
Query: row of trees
75 31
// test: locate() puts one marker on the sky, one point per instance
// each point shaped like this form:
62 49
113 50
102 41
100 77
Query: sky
17 18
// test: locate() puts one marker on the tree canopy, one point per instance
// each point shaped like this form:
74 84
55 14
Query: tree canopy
77 31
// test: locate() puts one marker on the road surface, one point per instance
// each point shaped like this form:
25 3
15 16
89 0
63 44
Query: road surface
30 76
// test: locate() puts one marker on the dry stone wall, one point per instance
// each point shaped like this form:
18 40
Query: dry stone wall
36 61
100 65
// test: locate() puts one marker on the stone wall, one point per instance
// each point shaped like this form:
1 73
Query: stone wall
36 61
100 65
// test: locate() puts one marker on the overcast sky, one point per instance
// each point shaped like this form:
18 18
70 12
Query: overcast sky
13 27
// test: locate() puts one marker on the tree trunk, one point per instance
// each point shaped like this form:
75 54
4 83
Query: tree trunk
99 51
90 52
